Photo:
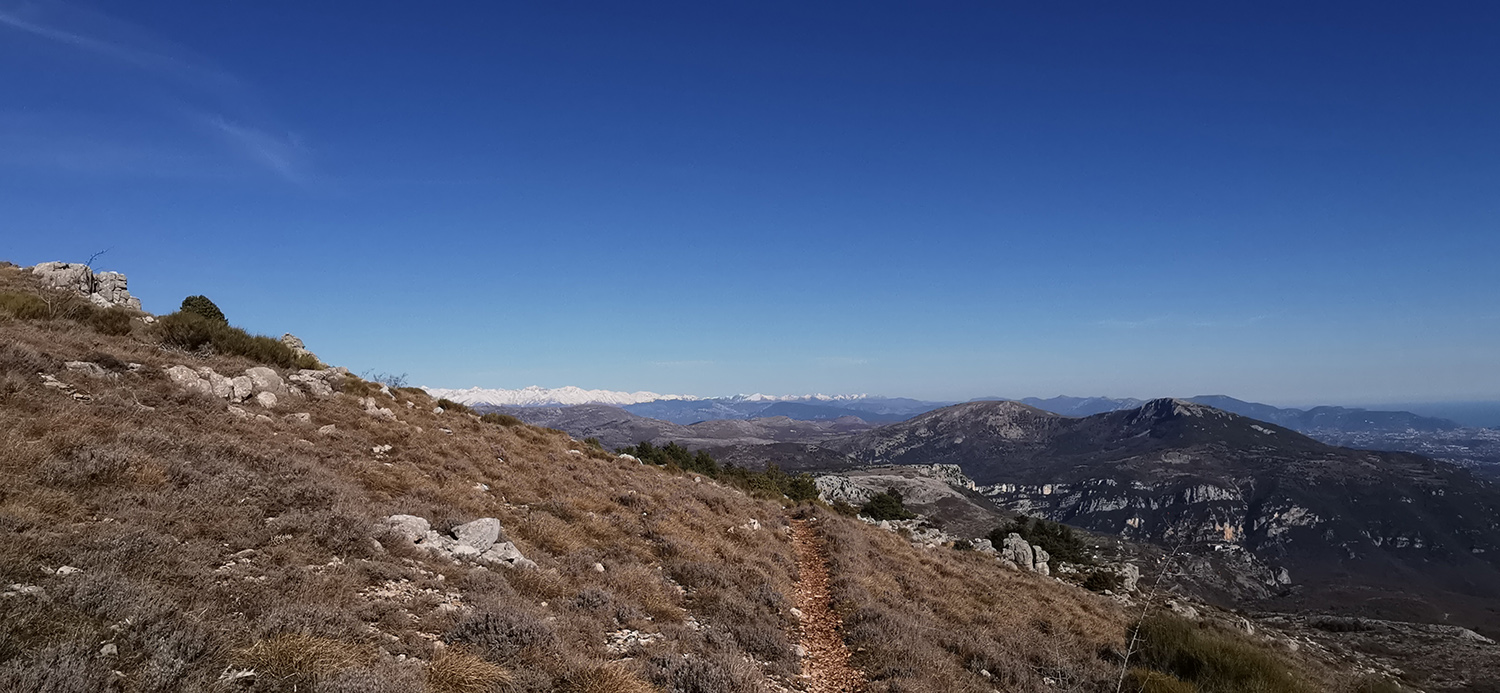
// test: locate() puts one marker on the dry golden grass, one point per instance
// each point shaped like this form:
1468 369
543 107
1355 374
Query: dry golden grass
460 672
607 677
300 659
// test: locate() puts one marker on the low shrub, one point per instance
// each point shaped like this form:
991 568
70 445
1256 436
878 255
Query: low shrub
500 635
193 332
1148 681
26 306
770 484
23 306
701 675
501 419
1101 580
450 405
886 505
1211 659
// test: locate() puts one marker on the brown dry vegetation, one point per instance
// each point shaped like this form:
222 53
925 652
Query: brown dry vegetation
212 545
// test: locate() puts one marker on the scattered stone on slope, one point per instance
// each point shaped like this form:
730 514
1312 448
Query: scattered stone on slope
479 541
480 534
375 410
90 369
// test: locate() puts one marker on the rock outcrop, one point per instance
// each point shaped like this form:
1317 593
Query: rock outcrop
481 541
262 384
104 289
1025 556
298 348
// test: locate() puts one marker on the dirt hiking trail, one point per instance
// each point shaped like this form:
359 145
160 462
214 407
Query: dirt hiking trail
827 662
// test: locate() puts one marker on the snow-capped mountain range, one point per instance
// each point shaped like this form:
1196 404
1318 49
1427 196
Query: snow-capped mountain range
536 396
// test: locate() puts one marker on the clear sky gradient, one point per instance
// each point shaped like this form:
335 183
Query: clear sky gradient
1292 203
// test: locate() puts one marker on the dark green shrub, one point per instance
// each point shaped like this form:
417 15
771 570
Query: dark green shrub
1101 580
962 545
593 443
23 306
501 419
204 307
844 509
1058 539
110 321
193 332
1213 660
1148 681
886 505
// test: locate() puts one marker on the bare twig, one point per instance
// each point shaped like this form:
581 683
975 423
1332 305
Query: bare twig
1135 634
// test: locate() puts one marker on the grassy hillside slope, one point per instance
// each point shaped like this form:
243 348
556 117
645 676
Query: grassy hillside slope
152 539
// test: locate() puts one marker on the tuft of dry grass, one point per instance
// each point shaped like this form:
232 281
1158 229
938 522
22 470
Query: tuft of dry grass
605 677
296 659
457 671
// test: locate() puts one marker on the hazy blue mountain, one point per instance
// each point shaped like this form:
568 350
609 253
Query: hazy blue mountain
1340 419
874 409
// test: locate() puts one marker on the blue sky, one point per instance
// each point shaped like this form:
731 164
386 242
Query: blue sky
1279 202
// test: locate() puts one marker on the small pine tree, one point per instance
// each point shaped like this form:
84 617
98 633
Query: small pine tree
204 307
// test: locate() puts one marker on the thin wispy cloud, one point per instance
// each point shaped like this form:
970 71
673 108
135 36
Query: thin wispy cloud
281 154
167 80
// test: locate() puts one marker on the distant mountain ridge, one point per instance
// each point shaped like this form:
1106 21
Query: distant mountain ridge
1303 420
690 409
1313 525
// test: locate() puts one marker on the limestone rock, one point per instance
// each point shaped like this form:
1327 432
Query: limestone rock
409 526
266 399
480 534
1040 567
265 379
90 369
326 430
1130 576
218 385
375 410
104 289
242 387
303 418
298 348
188 379
506 554
239 412
315 385
1018 551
